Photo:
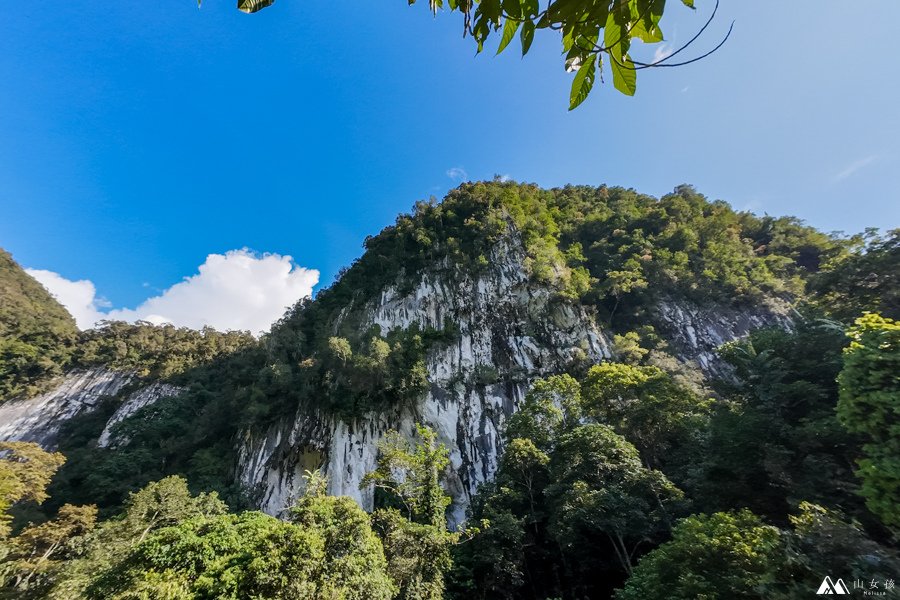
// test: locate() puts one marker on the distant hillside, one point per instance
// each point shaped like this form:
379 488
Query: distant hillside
37 334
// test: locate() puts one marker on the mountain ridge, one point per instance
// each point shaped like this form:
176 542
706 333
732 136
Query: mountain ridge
380 342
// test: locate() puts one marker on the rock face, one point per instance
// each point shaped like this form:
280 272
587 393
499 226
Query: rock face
511 332
694 332
38 419
144 396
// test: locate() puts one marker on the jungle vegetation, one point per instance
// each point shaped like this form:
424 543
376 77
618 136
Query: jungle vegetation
620 479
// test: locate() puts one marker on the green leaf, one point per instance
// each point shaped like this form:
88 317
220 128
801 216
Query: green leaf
564 11
568 38
612 33
491 10
481 30
583 82
513 8
624 75
527 36
688 3
251 6
648 36
509 31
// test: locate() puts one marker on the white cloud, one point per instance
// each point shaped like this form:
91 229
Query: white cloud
236 290
79 297
853 168
661 52
457 173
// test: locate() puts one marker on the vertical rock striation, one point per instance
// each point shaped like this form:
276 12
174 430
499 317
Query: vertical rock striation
511 331
38 419
137 400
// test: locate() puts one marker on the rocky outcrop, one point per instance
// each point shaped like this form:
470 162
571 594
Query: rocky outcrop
511 331
145 396
39 419
695 331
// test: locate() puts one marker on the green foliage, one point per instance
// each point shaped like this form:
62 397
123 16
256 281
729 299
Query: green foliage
409 474
102 552
552 405
36 333
776 441
610 247
333 554
353 564
736 555
38 554
25 472
571 507
870 406
719 556
492 564
590 32
413 525
191 434
824 541
155 351
600 490
867 279
647 407
39 340
418 554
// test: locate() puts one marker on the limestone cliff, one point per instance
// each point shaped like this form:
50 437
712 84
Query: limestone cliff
512 330
496 267
39 419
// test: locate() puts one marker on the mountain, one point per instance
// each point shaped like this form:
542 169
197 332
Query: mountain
36 333
446 319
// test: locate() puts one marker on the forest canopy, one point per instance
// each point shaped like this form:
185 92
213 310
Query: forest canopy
615 477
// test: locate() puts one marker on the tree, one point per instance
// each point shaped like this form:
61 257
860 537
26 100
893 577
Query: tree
165 503
774 438
719 556
620 283
870 405
600 490
516 551
551 405
591 33
644 405
39 552
493 563
413 521
825 541
353 559
251 555
867 279
37 334
25 472
410 474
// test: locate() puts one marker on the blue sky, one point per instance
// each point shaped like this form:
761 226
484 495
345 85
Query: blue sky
136 138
